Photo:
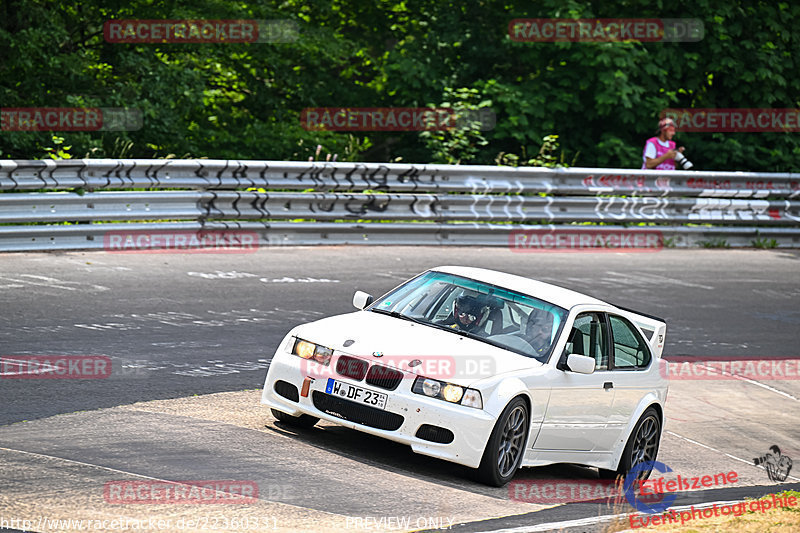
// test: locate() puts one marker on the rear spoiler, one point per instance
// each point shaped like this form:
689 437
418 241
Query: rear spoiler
654 328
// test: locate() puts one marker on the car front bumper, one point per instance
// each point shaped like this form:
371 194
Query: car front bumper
471 427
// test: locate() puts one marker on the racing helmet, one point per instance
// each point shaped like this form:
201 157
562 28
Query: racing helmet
469 311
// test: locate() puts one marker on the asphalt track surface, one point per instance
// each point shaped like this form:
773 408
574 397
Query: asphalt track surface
179 328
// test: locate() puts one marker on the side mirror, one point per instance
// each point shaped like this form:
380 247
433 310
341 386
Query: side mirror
362 299
581 364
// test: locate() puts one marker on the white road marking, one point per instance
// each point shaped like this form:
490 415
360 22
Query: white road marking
287 279
651 279
39 284
687 439
42 368
751 381
44 281
134 474
234 274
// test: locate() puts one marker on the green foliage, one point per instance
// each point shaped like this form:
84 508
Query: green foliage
715 243
545 158
458 144
763 243
58 151
229 100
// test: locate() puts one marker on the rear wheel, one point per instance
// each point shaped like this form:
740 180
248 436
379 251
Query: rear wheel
302 421
642 446
506 445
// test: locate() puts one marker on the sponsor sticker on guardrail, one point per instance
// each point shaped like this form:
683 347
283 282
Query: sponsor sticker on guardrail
178 241
70 119
585 240
752 120
198 31
394 119
181 492
724 368
606 30
55 366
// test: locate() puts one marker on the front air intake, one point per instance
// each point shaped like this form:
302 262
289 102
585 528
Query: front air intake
435 434
356 412
287 390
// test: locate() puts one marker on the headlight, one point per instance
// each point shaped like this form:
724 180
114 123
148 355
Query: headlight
448 392
431 387
453 393
309 350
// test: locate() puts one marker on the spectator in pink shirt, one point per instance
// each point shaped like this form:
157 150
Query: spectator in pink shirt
659 152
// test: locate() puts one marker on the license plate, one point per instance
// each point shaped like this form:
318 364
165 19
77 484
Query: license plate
356 394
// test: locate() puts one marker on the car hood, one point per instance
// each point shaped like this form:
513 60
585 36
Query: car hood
441 354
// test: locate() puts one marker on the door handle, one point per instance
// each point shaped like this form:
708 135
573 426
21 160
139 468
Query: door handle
608 385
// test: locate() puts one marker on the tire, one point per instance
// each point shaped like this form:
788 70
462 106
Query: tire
642 446
506 446
302 421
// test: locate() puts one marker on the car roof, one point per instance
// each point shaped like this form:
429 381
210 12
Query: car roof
553 294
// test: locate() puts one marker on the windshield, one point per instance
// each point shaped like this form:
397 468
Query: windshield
497 316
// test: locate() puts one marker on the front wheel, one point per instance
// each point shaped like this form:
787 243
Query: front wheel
506 445
642 446
302 421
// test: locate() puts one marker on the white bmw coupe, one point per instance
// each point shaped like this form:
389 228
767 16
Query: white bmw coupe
485 369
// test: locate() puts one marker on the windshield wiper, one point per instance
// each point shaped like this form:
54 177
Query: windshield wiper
397 314
457 331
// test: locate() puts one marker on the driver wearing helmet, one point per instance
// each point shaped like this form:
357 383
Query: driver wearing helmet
469 314
539 329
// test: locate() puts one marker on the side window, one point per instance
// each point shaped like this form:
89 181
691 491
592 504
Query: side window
630 350
588 337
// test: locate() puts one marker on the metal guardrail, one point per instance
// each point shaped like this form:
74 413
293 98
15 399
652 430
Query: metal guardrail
206 174
339 202
249 205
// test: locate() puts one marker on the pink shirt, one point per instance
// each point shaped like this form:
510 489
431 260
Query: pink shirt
667 164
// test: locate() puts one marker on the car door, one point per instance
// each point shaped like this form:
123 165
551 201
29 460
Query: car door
630 358
578 413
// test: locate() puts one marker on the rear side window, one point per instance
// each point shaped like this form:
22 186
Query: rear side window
630 349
